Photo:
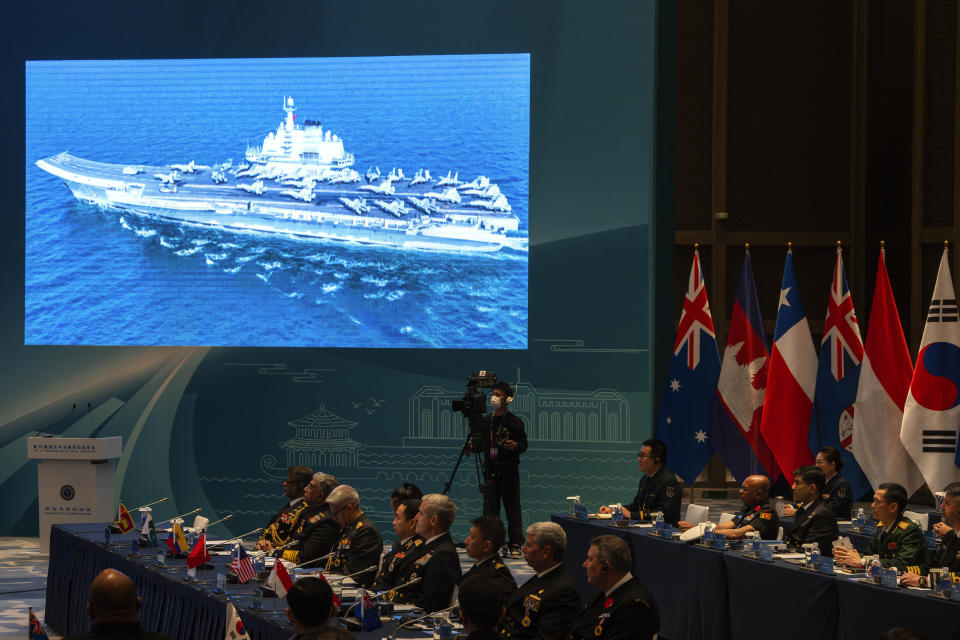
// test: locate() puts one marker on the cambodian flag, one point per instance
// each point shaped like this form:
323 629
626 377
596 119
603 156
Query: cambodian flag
686 410
838 374
741 387
791 378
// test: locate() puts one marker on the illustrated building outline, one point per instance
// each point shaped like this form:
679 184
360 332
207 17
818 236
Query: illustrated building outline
322 441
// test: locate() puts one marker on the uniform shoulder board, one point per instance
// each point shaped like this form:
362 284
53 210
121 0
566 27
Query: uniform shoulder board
499 565
359 524
417 543
826 496
903 524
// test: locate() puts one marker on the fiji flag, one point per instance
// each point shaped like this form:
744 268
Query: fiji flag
791 378
742 385
838 374
686 410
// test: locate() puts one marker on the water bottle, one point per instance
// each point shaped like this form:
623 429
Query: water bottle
875 568
859 521
617 512
658 523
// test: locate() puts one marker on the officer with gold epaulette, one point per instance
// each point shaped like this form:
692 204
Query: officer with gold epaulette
899 542
278 531
545 606
357 551
624 609
435 562
487 535
947 554
314 531
405 526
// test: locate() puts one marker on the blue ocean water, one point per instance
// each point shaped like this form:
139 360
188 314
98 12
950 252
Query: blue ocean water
99 277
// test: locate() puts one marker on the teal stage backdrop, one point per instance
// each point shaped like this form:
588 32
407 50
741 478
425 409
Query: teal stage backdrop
216 428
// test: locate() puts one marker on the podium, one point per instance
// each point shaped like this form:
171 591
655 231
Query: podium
74 480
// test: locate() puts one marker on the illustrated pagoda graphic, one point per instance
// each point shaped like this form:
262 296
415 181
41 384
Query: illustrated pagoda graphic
321 441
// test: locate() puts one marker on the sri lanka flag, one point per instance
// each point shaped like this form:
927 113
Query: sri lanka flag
838 374
931 414
740 390
686 410
792 376
123 522
176 540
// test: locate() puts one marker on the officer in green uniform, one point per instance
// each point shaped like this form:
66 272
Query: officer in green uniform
278 531
899 542
357 551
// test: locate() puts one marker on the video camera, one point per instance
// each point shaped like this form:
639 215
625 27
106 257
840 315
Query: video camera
474 402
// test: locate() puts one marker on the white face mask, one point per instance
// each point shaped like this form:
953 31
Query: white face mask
496 402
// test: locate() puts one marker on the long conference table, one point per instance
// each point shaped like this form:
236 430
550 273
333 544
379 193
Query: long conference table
180 609
709 594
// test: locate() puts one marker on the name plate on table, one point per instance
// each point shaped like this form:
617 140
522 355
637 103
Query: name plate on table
765 553
888 578
708 538
719 541
826 566
869 528
666 531
580 512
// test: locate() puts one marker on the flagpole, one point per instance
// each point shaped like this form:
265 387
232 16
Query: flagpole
179 516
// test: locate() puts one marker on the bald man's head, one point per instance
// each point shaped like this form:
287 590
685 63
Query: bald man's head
755 490
112 598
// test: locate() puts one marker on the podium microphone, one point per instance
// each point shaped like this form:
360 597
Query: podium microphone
412 620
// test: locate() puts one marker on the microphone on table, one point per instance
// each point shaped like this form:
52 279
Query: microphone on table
303 564
378 594
355 573
412 620
235 539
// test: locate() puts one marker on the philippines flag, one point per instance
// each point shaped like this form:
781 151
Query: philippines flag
884 383
931 414
791 378
841 356
241 565
686 410
741 387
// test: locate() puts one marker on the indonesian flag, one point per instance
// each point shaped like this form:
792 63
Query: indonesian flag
931 414
788 405
279 580
884 384
235 628
199 555
123 522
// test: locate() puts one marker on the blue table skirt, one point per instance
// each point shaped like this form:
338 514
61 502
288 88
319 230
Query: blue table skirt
704 593
169 605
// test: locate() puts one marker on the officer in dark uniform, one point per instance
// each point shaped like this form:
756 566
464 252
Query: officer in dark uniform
435 561
756 514
813 521
278 531
405 526
545 606
659 489
484 540
836 489
506 439
315 531
359 545
947 554
899 542
623 609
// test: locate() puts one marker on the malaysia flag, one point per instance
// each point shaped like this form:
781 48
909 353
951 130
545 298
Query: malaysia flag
884 382
931 414
791 379
838 374
741 387
686 410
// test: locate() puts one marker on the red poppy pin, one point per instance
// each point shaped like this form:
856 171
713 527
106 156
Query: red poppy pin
608 603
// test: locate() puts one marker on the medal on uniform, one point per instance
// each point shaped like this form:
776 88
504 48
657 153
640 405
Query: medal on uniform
526 621
598 630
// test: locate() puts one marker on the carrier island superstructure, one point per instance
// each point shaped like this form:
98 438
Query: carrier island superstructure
302 181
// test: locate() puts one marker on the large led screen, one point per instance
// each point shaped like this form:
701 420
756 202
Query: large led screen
349 202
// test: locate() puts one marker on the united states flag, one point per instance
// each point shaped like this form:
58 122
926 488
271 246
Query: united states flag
241 565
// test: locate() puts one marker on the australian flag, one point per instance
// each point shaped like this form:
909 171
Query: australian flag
838 374
742 386
686 410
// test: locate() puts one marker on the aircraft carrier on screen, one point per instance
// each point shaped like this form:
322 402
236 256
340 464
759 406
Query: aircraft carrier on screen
301 181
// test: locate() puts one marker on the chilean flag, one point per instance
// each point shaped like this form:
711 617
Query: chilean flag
738 404
931 414
884 384
686 410
791 379
841 356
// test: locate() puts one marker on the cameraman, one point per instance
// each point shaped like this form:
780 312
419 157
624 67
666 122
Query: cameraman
505 439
